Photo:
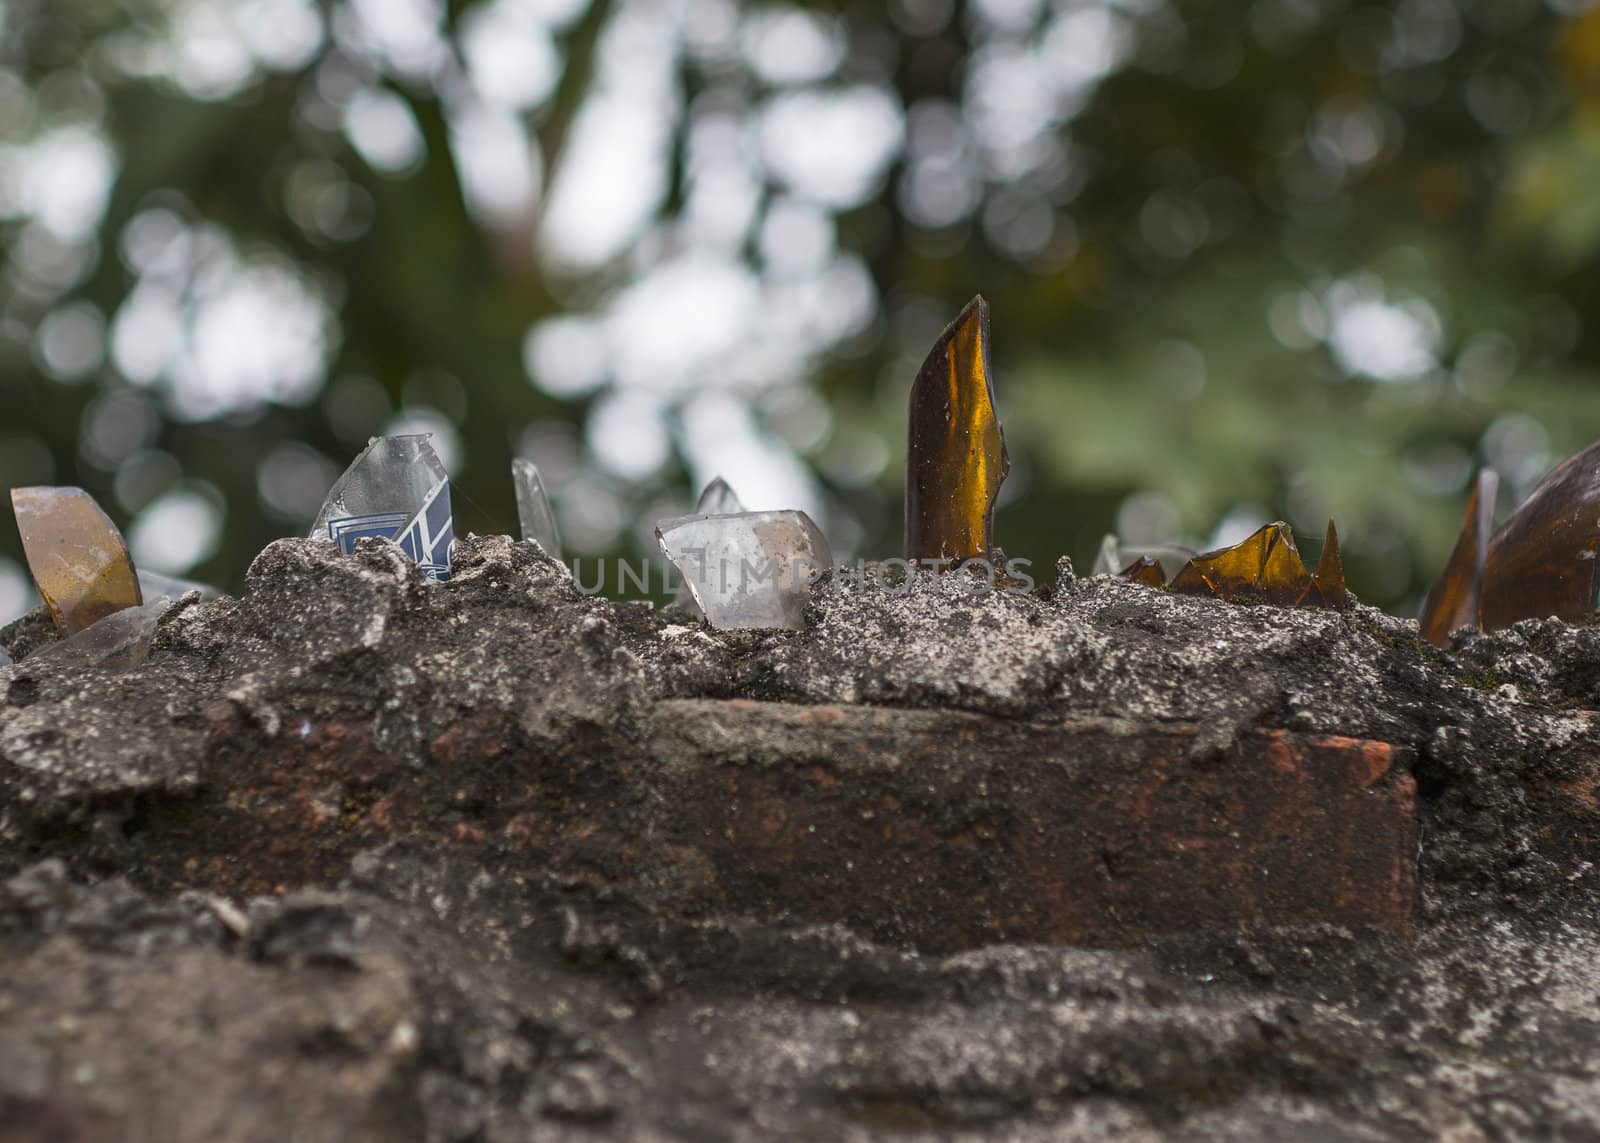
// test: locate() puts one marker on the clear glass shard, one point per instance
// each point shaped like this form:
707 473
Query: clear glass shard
956 452
748 569
154 585
396 490
1115 556
119 641
718 499
685 599
534 514
76 555
1108 560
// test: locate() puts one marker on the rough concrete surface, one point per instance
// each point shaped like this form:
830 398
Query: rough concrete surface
357 857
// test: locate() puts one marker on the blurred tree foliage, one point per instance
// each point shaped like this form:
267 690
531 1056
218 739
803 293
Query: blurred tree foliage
1282 259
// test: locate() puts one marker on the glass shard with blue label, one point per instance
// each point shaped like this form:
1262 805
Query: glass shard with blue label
396 490
534 515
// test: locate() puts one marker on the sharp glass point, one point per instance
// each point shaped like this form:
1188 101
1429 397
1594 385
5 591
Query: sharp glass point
1453 600
534 514
956 451
718 499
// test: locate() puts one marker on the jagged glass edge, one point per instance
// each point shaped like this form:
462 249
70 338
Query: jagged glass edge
550 508
321 528
670 522
706 491
428 456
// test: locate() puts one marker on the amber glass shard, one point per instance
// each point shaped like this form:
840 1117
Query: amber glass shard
1265 567
1452 601
1542 560
1145 570
956 453
76 555
1326 588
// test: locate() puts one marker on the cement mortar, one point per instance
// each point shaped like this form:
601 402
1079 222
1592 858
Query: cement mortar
457 994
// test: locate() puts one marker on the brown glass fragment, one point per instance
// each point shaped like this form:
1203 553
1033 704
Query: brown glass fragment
1266 567
1541 561
76 555
1145 570
956 453
1326 588
1452 601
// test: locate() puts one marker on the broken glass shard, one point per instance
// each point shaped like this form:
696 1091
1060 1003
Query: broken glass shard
1171 557
1452 601
956 453
748 569
1541 561
1145 570
718 499
154 585
1114 556
1327 588
117 642
1109 558
396 490
78 559
1266 567
534 515
5 659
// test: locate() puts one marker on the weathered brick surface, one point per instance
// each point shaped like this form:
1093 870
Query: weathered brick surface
951 830
939 829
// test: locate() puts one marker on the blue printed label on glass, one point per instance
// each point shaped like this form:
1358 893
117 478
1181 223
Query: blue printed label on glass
346 530
428 537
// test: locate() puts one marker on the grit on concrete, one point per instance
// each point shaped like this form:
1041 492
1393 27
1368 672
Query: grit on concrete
157 985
